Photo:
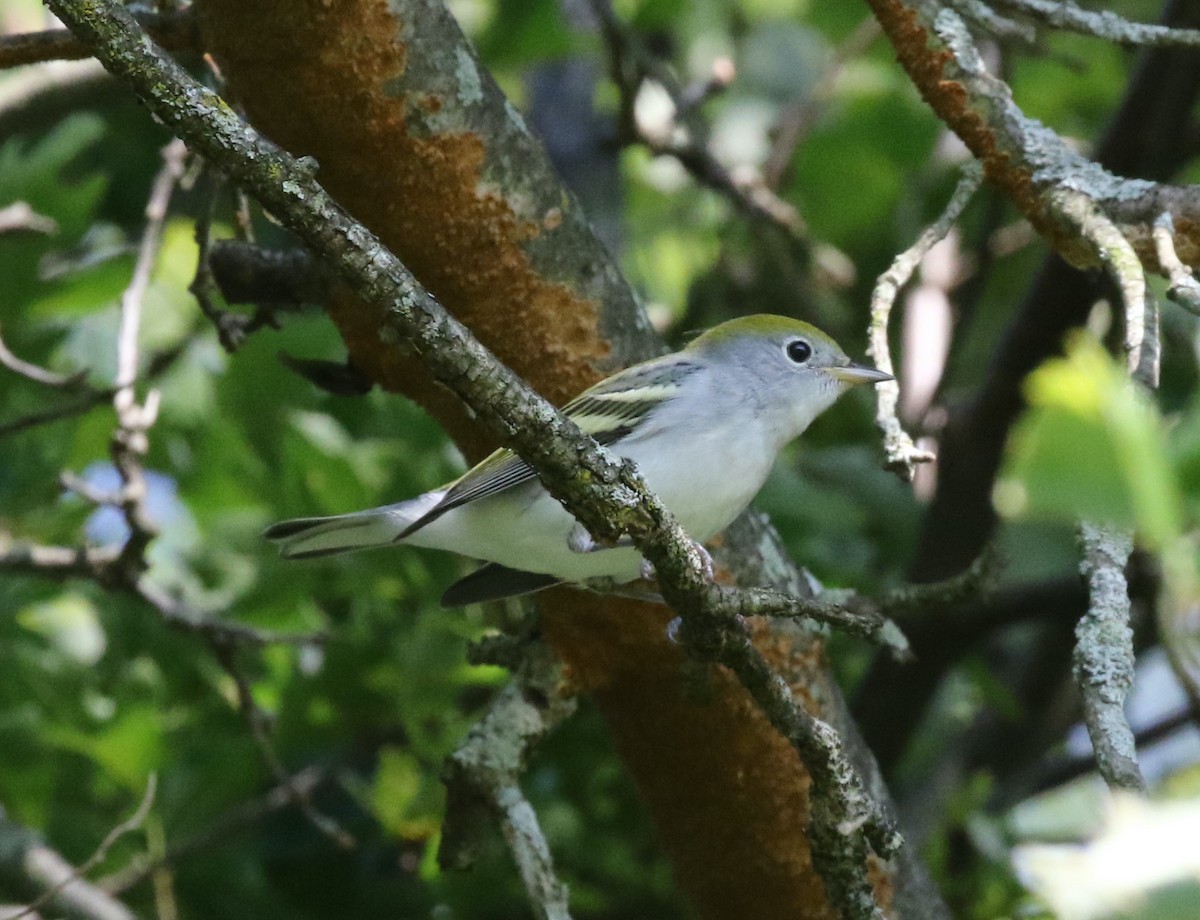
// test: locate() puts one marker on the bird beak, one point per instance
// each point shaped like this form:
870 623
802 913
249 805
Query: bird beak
857 373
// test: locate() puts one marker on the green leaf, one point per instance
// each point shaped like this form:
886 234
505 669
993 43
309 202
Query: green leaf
1091 446
406 799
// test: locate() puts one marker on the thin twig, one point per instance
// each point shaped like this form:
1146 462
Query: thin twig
103 565
128 826
855 616
158 365
1184 289
56 562
40 375
19 217
986 18
259 724
798 118
231 327
176 31
682 135
211 627
1058 772
57 414
902 454
1120 259
282 796
85 490
134 419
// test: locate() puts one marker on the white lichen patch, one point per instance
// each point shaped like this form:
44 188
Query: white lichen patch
470 84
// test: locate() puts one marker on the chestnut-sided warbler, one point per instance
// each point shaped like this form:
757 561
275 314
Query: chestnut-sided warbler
703 425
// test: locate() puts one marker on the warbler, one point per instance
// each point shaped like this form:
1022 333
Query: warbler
703 425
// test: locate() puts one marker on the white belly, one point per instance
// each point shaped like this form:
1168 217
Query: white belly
709 483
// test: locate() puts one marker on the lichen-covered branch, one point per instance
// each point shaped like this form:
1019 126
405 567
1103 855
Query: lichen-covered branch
482 778
1104 24
1104 655
902 454
606 496
1184 289
856 616
845 823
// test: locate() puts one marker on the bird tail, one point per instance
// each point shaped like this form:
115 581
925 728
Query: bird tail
304 538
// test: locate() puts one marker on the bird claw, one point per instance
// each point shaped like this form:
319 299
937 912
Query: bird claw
673 630
580 541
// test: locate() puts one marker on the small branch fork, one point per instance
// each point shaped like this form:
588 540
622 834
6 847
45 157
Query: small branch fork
608 497
902 455
75 876
124 569
482 777
1031 164
72 383
680 134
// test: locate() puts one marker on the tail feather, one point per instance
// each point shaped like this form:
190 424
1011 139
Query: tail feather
306 538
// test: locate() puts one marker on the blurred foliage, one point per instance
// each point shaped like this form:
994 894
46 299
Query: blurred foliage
96 693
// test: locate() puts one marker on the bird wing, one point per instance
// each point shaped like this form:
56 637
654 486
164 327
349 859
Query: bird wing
610 411
494 582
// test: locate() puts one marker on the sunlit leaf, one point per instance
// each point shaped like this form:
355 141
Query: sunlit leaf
1091 446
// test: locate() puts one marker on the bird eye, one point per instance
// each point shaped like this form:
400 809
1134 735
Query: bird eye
798 350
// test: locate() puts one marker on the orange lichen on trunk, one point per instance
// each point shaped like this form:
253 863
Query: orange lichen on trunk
926 64
315 77
729 792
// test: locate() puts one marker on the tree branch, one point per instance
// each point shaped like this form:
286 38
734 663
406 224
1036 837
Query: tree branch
1019 154
1104 656
1104 24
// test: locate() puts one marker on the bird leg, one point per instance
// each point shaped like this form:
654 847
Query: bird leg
580 541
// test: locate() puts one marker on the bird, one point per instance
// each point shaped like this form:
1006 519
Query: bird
703 425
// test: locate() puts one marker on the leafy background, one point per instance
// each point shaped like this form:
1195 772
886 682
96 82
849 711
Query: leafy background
97 694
